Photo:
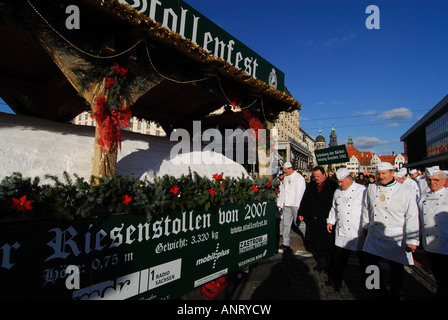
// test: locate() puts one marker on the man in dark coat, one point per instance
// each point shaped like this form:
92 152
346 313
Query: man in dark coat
314 208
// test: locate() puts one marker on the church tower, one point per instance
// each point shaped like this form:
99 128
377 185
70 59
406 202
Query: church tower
350 140
320 141
333 137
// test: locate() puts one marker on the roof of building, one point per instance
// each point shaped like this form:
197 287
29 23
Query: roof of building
306 134
365 157
320 139
390 158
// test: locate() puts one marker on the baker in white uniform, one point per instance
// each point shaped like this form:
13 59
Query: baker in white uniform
390 221
421 182
344 219
433 207
410 182
291 195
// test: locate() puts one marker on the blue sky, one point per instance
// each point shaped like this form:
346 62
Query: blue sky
373 84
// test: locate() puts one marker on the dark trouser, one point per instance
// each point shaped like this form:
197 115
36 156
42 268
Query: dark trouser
339 263
439 266
396 273
322 261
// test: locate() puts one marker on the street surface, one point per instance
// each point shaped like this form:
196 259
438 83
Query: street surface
290 276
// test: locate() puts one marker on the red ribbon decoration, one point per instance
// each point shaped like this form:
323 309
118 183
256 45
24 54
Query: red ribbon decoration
253 123
120 71
110 123
109 83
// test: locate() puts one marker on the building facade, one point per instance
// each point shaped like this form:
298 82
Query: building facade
426 142
294 144
365 161
135 124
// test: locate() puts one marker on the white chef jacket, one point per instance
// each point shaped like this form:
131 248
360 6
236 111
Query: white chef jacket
294 186
280 195
411 182
433 207
391 217
345 214
422 185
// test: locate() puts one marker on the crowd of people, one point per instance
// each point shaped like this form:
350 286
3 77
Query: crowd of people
385 216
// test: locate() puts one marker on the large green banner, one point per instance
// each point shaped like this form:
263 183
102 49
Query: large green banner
129 257
178 16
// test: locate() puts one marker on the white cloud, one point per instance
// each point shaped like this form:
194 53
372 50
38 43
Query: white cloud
396 114
368 113
337 102
337 41
392 125
368 142
332 42
388 152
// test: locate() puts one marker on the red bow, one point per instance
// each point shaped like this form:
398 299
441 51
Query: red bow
253 122
110 123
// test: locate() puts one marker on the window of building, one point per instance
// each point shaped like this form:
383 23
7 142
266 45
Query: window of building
437 136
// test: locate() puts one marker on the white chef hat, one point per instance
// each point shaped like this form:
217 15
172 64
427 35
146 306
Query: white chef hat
385 166
287 165
404 171
399 174
413 171
430 171
342 173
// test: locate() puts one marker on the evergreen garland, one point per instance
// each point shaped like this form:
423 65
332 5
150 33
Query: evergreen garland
77 198
121 86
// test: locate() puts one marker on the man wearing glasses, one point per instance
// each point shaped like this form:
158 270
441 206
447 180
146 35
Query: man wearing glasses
433 207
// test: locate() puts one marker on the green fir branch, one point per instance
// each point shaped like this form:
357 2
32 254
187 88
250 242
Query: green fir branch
77 198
